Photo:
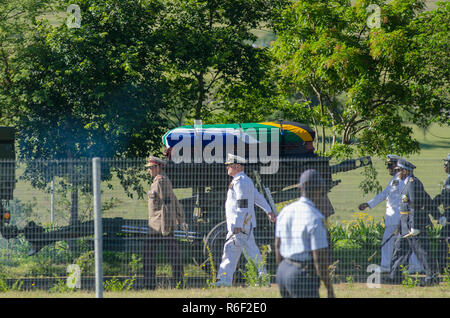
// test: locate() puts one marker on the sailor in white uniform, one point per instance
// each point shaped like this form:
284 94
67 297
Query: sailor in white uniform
241 220
392 195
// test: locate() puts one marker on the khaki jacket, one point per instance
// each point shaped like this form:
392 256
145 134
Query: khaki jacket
164 209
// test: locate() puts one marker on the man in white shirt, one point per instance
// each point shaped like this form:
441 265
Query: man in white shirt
301 245
392 195
241 220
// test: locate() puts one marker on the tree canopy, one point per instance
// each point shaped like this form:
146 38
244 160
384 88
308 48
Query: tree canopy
209 53
133 69
366 79
95 90
16 18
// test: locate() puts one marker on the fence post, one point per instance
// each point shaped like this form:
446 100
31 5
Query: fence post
98 228
52 201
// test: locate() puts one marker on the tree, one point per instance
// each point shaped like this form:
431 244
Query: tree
91 91
365 78
209 52
15 20
96 89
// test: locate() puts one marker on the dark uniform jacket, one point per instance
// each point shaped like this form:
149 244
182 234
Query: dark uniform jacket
164 209
444 199
415 206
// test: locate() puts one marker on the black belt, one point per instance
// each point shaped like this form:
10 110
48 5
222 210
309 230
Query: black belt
299 264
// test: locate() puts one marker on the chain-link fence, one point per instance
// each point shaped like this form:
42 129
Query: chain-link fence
47 222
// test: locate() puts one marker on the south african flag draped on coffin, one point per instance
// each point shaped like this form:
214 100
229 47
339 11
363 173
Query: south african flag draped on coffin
294 139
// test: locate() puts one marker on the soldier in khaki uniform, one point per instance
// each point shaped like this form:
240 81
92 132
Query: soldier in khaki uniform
164 214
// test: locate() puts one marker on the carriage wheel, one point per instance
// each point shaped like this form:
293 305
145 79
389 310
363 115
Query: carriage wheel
216 240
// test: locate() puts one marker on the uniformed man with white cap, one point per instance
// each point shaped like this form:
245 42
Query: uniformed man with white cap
301 245
392 195
443 199
415 206
165 213
241 220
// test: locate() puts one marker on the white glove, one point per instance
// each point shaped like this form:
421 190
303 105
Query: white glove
184 227
443 220
412 232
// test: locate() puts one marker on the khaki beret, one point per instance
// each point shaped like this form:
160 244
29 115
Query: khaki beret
155 161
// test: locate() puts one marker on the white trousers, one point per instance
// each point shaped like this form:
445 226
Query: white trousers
232 250
388 249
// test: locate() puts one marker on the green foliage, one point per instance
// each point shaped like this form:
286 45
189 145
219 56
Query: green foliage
16 18
114 284
349 279
91 91
360 232
86 261
61 287
370 182
182 283
253 274
408 280
94 90
103 88
363 80
135 264
353 242
3 285
210 58
211 281
447 275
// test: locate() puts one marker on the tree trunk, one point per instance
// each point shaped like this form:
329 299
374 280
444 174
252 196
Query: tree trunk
201 97
323 139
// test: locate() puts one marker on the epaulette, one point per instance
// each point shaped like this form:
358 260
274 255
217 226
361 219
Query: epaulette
232 183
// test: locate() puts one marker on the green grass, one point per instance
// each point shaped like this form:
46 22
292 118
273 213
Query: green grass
343 290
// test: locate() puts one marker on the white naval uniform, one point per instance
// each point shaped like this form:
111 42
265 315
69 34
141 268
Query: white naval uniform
392 195
240 212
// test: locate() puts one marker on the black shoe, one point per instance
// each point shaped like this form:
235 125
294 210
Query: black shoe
431 281
393 281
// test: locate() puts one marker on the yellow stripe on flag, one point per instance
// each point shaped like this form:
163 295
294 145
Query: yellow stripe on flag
302 133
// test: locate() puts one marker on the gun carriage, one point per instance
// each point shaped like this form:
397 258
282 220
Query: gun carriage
277 154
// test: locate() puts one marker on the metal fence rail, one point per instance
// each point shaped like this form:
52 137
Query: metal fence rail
48 225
